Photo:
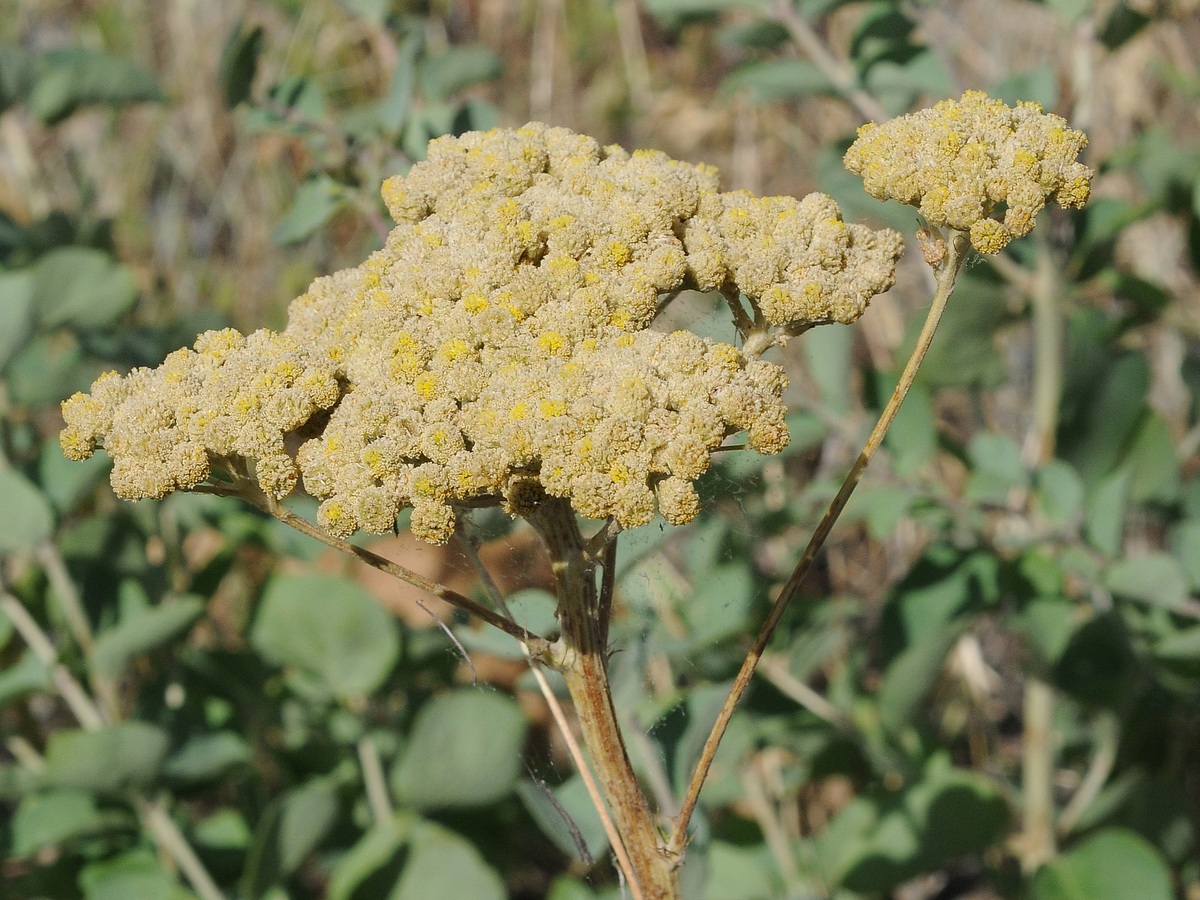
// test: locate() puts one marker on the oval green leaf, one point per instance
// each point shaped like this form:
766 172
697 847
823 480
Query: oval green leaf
1115 864
465 750
27 518
329 628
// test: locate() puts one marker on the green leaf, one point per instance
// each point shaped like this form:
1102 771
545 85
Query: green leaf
368 869
66 482
81 288
239 63
719 606
464 750
1181 647
1154 468
16 309
444 866
307 815
676 9
49 818
138 873
225 829
773 80
208 757
1104 519
328 627
75 77
393 110
290 829
581 819
944 584
27 519
18 70
1185 543
407 858
755 34
827 355
1156 578
912 438
27 676
996 468
1039 85
375 11
881 507
49 368
143 631
1107 406
1071 10
880 840
1098 666
315 203
1114 864
896 84
564 887
1059 492
111 760
910 678
1123 23
964 353
447 73
740 872
1048 623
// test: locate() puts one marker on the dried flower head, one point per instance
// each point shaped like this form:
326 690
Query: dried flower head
961 159
498 345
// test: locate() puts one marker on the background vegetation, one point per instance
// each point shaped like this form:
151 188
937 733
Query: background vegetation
992 688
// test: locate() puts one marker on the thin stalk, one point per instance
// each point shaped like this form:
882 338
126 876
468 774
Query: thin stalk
67 594
957 249
82 707
538 645
170 840
584 671
1104 757
839 72
373 780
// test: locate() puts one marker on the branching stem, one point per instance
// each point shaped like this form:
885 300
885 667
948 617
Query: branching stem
538 645
584 670
560 720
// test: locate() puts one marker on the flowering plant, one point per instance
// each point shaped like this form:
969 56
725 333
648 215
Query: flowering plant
498 351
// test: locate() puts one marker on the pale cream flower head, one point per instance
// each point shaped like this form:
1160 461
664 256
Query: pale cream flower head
498 345
958 161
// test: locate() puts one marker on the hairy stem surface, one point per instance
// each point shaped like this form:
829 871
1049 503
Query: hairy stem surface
584 669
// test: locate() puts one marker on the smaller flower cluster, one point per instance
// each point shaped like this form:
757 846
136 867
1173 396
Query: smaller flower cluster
960 160
231 396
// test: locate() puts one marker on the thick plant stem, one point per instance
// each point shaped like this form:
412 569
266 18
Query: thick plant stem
956 251
583 667
560 718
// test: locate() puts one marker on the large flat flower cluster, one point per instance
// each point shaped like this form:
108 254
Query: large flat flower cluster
500 340
960 159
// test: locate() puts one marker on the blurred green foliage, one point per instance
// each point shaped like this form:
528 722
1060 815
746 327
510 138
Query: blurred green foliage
304 740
